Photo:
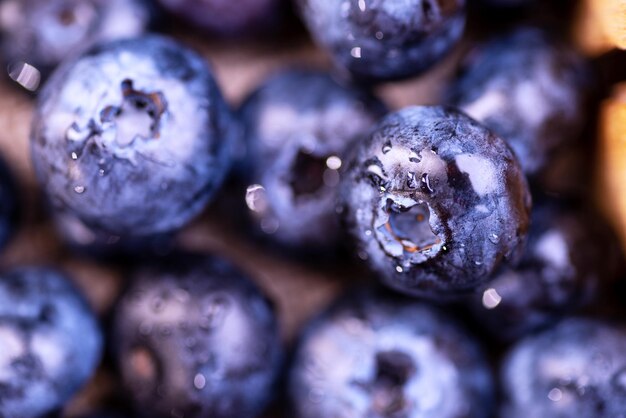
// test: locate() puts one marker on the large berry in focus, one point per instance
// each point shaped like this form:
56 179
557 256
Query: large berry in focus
435 201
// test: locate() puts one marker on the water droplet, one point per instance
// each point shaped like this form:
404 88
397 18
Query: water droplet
199 381
333 162
356 52
426 187
478 263
362 5
399 269
79 189
25 75
491 298
74 156
368 232
256 198
555 394
386 147
494 238
411 181
101 172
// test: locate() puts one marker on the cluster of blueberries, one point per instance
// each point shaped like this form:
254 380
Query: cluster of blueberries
131 140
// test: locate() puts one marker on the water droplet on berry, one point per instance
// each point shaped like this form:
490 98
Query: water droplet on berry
491 298
494 238
199 381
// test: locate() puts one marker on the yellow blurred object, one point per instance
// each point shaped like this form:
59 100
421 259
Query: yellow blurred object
601 25
612 156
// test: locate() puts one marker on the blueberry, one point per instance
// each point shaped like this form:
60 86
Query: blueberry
226 17
379 40
133 137
50 341
42 33
435 201
194 338
528 88
297 133
376 355
567 261
9 204
577 369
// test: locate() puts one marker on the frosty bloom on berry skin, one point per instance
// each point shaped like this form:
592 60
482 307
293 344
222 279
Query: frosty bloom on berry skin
133 137
435 201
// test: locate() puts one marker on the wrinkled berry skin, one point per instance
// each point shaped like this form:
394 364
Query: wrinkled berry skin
226 17
529 89
9 204
568 259
50 342
133 137
577 369
378 40
435 202
192 335
376 355
45 32
296 131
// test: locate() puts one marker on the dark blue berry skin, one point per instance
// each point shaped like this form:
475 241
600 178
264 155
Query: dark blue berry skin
569 258
43 33
50 342
435 202
381 356
298 127
133 138
194 338
226 17
9 204
528 88
577 369
378 40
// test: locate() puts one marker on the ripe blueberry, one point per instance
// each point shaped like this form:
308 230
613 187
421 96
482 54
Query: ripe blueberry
435 201
375 355
385 39
528 88
133 137
298 127
194 338
50 342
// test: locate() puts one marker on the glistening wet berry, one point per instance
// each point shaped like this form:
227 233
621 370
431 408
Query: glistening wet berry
133 137
299 126
435 201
